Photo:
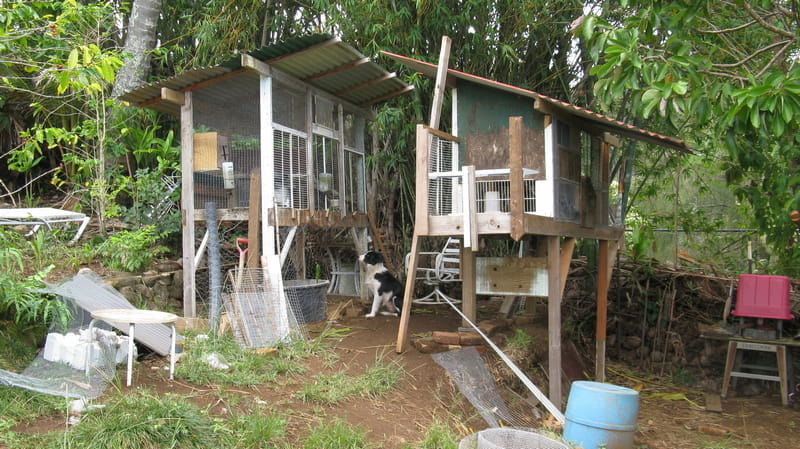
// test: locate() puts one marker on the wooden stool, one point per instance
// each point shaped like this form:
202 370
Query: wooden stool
734 366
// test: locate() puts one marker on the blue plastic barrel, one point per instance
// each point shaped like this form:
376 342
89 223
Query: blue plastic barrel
600 416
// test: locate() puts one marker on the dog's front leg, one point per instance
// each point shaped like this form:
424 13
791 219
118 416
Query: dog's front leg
376 304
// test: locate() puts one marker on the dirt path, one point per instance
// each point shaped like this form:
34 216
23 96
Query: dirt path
669 417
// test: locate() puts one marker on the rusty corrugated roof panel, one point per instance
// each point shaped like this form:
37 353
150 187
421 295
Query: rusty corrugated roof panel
600 120
322 61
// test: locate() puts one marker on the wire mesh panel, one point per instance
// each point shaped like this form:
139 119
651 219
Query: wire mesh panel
444 184
291 169
354 179
493 195
229 231
260 313
246 159
326 171
529 192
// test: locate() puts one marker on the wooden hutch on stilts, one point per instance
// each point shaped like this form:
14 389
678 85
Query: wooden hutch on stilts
521 166
276 138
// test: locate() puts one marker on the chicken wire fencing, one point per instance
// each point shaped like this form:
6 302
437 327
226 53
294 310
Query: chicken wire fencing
469 372
260 314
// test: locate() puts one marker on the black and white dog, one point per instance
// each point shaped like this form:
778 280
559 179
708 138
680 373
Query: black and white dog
385 289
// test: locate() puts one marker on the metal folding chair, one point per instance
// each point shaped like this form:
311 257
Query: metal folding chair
445 267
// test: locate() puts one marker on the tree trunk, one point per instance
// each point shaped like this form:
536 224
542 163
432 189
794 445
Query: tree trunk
139 42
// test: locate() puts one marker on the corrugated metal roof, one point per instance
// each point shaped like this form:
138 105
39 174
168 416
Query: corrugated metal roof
601 121
321 60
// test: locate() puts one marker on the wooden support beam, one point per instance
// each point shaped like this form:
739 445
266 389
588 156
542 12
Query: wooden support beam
364 85
172 96
187 207
441 77
254 221
468 295
516 190
468 207
408 296
336 70
554 318
602 311
567 248
421 202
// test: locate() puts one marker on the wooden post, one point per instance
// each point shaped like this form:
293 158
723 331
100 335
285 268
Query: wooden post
602 311
468 295
411 269
254 221
515 177
468 207
567 249
187 207
441 78
421 201
554 318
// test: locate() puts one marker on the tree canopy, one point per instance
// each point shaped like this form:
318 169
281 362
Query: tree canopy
721 75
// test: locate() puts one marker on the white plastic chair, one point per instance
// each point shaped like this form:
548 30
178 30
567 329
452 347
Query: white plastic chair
445 267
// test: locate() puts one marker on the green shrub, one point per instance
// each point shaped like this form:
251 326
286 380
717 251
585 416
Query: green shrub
131 250
18 296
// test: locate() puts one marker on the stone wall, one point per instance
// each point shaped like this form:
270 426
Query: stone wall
162 290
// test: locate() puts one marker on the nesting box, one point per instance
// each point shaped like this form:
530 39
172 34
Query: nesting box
211 149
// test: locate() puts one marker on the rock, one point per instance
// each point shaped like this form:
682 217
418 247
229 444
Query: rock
168 266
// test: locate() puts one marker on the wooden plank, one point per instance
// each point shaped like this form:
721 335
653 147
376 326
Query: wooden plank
602 311
713 402
270 229
554 318
567 249
254 223
516 188
441 76
515 276
441 134
172 96
421 212
468 296
187 208
469 206
500 223
405 314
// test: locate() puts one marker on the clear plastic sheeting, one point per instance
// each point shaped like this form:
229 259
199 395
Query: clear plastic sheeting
60 368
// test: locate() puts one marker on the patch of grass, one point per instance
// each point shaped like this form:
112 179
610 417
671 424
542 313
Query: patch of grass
336 435
245 367
256 429
725 444
328 389
142 420
17 404
18 345
439 436
378 378
520 340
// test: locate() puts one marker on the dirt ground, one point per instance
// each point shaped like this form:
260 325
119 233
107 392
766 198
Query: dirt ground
669 416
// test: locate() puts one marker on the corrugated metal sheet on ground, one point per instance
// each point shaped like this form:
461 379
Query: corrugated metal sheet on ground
90 292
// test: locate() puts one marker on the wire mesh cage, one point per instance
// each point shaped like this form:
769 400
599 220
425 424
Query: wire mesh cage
444 184
260 314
